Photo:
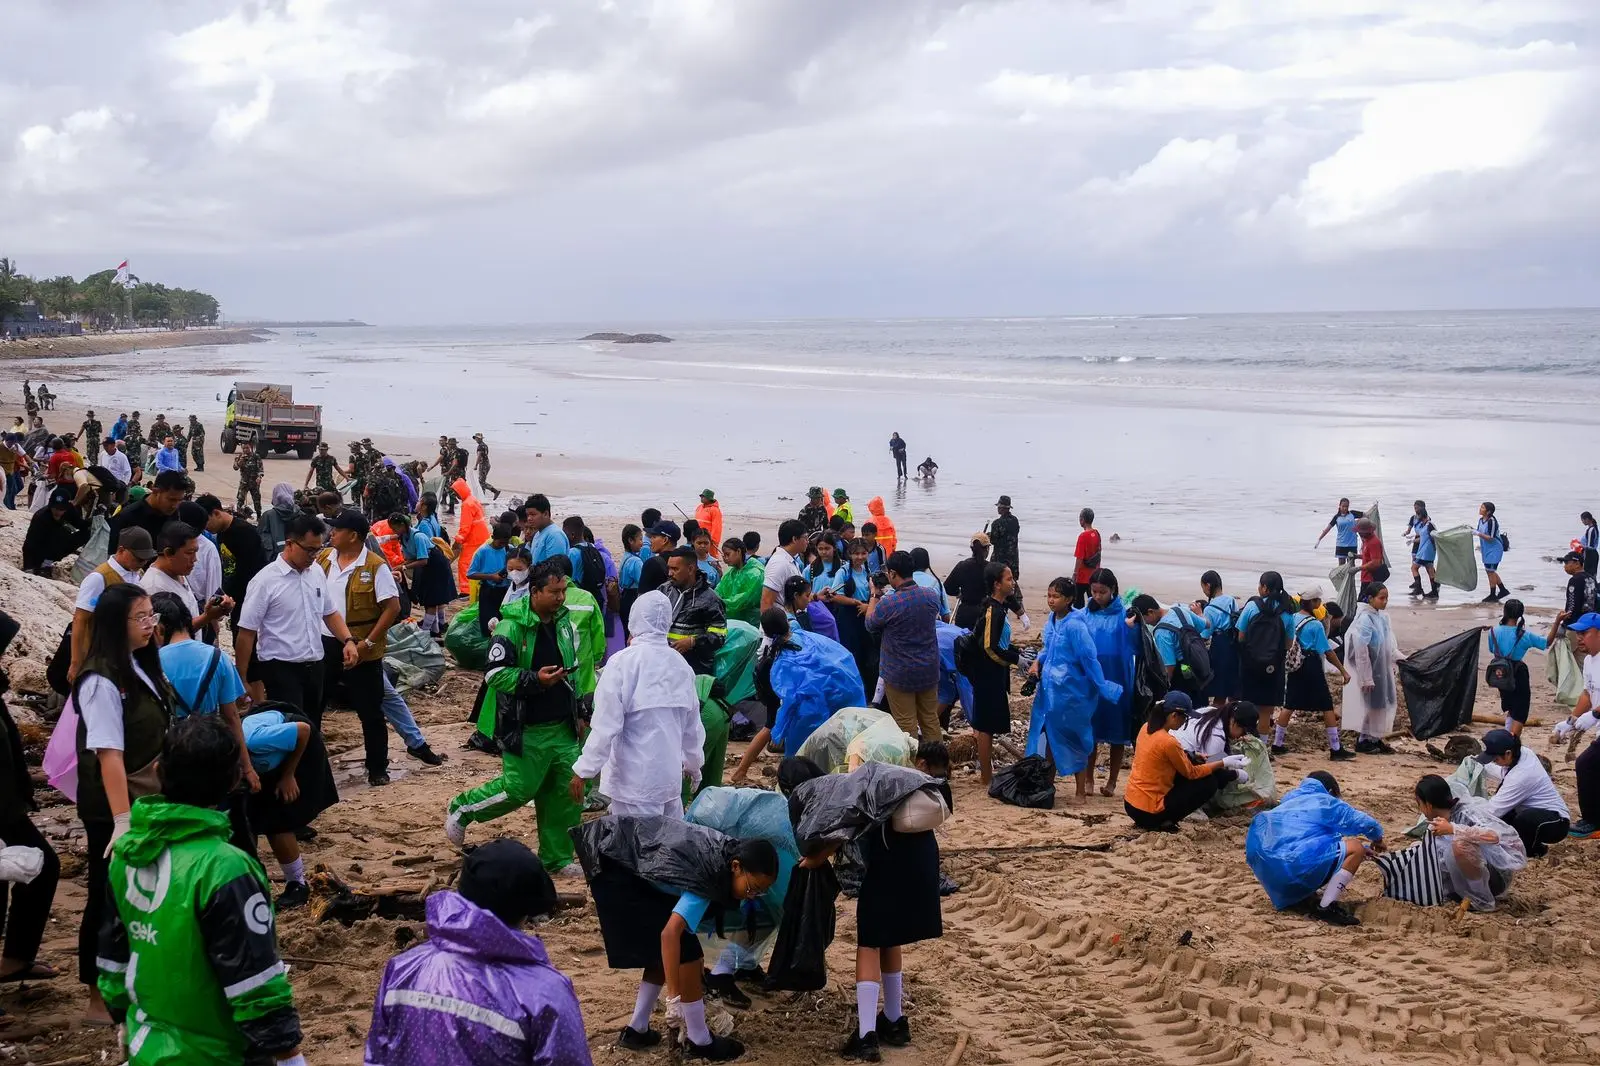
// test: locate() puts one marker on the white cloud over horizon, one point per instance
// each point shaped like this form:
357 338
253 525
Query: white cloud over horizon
722 158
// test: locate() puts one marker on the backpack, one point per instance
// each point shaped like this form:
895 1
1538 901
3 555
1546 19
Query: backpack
1261 644
1501 673
594 572
1295 656
1194 654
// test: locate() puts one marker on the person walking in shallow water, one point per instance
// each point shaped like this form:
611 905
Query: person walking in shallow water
897 447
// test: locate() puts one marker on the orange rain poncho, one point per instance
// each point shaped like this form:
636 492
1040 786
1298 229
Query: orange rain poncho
392 549
472 533
887 538
709 515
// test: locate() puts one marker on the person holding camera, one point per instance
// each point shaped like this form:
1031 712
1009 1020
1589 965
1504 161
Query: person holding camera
177 550
530 707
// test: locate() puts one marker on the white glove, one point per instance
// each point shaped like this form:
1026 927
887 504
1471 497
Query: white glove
120 824
1236 762
20 864
1562 730
1241 775
1586 721
1023 618
674 1012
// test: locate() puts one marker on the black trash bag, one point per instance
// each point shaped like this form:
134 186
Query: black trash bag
1441 683
1149 676
799 958
1028 782
688 857
840 807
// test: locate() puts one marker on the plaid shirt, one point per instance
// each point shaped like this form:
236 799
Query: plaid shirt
907 619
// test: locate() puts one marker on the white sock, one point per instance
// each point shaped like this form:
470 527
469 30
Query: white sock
644 1004
867 1007
1280 735
893 1002
725 962
1335 887
293 871
694 1022
1509 720
1333 738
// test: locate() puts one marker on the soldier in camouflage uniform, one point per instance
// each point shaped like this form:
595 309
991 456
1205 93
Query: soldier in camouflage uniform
133 442
197 443
323 467
360 470
248 463
483 466
181 443
91 433
159 430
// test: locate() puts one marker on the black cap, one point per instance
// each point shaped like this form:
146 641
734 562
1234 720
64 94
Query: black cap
354 521
1496 742
507 880
62 496
1572 557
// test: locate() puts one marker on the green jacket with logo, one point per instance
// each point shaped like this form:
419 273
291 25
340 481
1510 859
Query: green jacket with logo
511 659
188 956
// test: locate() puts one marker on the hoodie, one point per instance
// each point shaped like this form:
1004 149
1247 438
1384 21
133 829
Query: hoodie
472 533
188 956
887 538
275 520
476 991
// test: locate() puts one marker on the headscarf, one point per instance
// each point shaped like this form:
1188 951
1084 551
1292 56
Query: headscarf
283 495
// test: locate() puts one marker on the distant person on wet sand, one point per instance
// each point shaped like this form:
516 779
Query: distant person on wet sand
1344 542
897 447
927 470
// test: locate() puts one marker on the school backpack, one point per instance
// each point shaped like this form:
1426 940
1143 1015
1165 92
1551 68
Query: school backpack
594 572
1194 654
1501 672
1295 656
1261 643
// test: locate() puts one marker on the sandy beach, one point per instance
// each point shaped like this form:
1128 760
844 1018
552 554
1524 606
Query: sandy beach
92 344
1074 938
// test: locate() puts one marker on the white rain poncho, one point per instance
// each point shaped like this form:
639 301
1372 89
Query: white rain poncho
1371 700
646 708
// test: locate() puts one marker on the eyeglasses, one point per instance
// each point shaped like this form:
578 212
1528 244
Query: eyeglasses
143 618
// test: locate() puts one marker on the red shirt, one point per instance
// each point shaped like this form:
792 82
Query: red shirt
1371 554
1088 548
59 460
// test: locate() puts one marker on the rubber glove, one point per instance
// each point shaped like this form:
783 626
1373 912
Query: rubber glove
1236 762
1023 618
1242 775
1586 721
120 824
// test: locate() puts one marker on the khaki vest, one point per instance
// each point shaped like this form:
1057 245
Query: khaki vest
361 604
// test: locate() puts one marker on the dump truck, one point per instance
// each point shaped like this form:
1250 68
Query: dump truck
267 416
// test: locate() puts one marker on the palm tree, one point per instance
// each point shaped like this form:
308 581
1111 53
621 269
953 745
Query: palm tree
8 269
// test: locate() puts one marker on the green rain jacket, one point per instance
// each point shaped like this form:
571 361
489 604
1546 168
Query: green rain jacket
741 591
511 659
188 956
587 623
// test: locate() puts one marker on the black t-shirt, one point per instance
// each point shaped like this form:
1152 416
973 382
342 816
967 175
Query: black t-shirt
653 574
555 703
243 542
1580 596
140 514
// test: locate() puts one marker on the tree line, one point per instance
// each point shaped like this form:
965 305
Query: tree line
101 302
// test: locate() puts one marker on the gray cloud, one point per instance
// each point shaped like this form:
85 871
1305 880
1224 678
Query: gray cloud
575 159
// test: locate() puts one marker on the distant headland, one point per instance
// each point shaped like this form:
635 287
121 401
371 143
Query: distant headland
628 338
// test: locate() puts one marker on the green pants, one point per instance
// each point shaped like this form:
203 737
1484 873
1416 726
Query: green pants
715 720
539 775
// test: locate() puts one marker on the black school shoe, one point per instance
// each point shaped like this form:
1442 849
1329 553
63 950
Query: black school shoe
721 1049
1333 914
294 894
425 754
378 779
724 986
1342 754
895 1033
1278 751
752 975
1373 747
630 1039
861 1048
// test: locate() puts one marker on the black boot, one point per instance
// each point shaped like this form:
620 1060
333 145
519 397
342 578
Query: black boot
1416 587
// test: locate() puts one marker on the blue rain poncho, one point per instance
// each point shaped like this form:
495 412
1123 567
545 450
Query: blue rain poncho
748 814
1071 686
1295 848
953 684
1116 644
813 677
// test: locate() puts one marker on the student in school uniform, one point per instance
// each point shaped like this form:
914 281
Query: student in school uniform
1511 640
1307 689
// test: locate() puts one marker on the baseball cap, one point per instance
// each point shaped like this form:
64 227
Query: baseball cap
707 494
1312 591
352 520
981 538
1178 702
666 529
1496 742
507 880
1572 557
62 496
136 542
1585 623
1004 501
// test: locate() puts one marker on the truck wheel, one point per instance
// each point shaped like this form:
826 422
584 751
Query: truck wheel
228 442
305 451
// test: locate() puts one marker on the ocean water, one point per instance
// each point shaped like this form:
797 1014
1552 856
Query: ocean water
1206 440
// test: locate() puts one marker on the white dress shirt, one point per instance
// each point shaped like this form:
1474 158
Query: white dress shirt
158 580
284 607
205 580
93 585
339 582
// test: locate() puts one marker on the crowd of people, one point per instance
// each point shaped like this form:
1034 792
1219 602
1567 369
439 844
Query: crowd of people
613 682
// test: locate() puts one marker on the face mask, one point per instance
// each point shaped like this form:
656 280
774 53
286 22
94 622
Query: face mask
519 577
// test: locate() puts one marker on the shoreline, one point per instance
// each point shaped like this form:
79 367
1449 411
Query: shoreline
123 343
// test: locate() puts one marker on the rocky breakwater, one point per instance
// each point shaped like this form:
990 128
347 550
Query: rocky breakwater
629 338
40 605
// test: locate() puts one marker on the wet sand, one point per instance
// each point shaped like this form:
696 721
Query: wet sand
90 344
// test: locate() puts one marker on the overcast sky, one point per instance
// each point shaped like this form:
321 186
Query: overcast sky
650 160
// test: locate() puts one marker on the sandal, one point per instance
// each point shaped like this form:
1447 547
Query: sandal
34 971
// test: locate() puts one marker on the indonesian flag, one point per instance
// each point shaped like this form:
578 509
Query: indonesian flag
122 273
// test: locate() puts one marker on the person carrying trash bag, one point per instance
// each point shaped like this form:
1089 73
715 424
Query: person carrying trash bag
654 880
891 811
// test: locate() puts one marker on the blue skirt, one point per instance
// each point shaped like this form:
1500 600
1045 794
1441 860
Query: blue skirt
1224 667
